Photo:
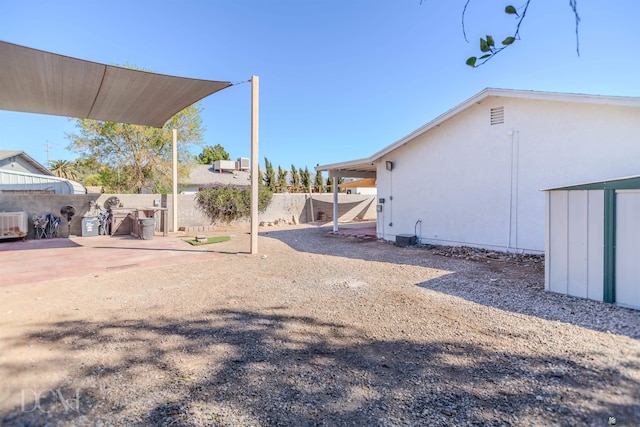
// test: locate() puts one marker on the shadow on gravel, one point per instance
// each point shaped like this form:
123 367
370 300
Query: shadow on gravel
529 298
507 285
250 368
320 241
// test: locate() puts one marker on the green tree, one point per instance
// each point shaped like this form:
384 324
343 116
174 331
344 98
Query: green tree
139 156
330 184
93 173
92 180
318 184
64 169
305 179
281 185
295 180
210 154
269 176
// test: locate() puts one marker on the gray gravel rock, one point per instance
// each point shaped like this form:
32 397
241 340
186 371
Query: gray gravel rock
324 331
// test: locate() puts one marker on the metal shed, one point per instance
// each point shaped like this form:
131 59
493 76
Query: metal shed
23 182
592 243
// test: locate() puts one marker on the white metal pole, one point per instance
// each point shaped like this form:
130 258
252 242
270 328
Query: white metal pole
255 172
174 199
335 203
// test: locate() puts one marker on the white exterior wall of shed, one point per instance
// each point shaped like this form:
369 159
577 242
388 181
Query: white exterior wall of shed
574 262
476 184
627 276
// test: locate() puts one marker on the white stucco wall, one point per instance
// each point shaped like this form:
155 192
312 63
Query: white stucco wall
472 183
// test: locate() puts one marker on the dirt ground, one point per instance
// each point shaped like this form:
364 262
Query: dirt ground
316 330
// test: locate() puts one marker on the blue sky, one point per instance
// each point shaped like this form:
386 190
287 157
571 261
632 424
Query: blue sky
339 79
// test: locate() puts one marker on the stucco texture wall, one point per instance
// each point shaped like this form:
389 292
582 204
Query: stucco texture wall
477 184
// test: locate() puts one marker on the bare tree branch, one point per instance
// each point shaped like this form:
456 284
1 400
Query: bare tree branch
464 11
574 7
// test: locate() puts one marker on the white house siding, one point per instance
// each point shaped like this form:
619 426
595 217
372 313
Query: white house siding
473 183
17 165
574 263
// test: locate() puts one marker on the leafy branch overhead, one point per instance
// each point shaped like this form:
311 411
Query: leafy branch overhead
488 45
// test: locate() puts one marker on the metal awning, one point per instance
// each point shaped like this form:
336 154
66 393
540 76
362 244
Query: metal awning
35 81
363 168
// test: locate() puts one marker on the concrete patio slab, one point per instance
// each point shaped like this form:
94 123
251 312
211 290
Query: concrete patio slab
49 259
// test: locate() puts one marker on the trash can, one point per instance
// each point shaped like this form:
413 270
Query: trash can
90 226
147 227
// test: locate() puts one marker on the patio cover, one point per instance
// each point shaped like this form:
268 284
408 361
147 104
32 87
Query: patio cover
35 81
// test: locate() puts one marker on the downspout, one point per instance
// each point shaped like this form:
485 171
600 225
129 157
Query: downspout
513 189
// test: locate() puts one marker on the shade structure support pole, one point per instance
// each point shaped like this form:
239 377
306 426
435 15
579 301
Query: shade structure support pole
174 198
335 203
255 172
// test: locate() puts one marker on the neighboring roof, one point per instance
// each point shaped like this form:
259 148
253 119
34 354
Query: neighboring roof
360 183
625 183
360 167
6 154
205 174
35 81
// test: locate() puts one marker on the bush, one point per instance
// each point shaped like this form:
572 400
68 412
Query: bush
227 203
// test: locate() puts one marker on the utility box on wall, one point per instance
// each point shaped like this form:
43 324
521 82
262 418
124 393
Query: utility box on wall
404 240
90 226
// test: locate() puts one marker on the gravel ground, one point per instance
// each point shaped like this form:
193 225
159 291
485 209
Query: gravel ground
317 330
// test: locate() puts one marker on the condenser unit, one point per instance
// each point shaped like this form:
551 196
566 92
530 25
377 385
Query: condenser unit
243 163
224 165
13 225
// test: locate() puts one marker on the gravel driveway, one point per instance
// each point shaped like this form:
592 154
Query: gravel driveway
317 330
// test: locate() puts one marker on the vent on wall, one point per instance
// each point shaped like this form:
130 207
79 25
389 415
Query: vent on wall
497 116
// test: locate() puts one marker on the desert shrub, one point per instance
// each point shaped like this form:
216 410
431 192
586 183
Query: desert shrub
226 203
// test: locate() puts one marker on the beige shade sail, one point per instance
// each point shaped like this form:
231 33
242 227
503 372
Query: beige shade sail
35 81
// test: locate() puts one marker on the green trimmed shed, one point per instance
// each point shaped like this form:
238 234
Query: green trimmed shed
592 245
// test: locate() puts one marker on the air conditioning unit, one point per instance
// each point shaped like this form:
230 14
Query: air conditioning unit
243 164
224 165
404 240
13 225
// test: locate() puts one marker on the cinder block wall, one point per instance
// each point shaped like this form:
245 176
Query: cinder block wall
40 204
289 208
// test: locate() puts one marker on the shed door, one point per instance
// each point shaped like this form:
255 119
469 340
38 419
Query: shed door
628 248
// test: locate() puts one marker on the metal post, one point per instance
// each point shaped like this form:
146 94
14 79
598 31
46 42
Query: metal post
174 199
255 172
335 203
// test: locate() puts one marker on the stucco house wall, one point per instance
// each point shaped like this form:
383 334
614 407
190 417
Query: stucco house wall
473 183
